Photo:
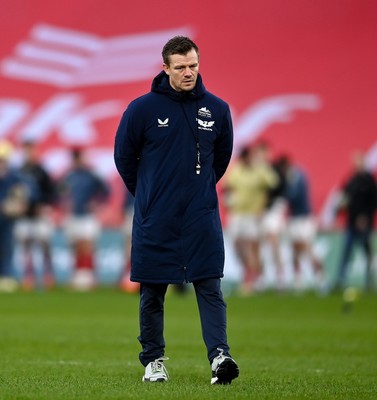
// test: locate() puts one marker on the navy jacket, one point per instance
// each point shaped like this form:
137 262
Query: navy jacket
177 234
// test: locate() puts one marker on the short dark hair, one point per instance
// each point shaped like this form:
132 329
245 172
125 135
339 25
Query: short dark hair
76 153
178 45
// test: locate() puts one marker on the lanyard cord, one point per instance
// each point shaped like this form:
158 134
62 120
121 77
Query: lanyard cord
196 137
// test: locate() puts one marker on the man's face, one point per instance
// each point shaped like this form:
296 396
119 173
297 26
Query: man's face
183 71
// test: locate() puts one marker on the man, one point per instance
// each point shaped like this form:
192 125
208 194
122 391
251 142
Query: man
247 185
171 148
301 227
36 225
13 203
82 191
359 201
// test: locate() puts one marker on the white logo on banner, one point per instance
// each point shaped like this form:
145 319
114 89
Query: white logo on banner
67 58
271 110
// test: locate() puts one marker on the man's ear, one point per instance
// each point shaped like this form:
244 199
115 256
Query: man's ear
166 69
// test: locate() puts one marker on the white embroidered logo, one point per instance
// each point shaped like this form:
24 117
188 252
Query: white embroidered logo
205 125
204 112
164 123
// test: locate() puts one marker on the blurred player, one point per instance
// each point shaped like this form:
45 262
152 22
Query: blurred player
274 219
36 226
82 191
359 201
13 203
247 184
302 228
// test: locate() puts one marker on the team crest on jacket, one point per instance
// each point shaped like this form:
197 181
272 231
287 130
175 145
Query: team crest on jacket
202 124
163 123
204 112
205 125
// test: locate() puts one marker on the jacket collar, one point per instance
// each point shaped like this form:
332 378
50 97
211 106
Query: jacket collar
161 85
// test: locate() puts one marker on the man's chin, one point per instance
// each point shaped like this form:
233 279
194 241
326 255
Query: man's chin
188 88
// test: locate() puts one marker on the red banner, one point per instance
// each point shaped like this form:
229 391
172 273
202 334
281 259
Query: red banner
300 74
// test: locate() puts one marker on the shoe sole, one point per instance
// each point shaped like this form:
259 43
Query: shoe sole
156 380
227 371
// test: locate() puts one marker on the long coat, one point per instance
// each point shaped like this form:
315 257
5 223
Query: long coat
177 234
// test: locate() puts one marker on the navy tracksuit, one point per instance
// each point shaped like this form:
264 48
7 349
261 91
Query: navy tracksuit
177 235
212 310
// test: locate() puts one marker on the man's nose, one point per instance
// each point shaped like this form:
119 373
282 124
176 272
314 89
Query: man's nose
188 71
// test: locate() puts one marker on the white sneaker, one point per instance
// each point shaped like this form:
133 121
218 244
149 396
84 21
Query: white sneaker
155 371
83 280
8 285
224 369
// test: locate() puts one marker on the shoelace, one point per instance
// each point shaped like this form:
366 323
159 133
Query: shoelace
218 359
158 366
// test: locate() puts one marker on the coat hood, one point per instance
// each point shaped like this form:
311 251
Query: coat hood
161 85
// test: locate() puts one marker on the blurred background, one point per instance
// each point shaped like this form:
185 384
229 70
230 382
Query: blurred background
299 76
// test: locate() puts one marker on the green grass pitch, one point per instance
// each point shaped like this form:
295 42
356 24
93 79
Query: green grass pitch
64 345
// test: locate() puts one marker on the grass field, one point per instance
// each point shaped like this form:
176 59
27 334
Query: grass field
63 345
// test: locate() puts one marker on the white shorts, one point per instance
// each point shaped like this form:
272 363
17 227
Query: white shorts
40 229
302 229
244 226
86 227
274 220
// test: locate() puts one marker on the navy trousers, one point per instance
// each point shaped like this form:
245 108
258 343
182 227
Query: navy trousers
212 310
364 238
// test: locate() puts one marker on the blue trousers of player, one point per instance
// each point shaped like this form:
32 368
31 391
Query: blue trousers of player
353 236
212 310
